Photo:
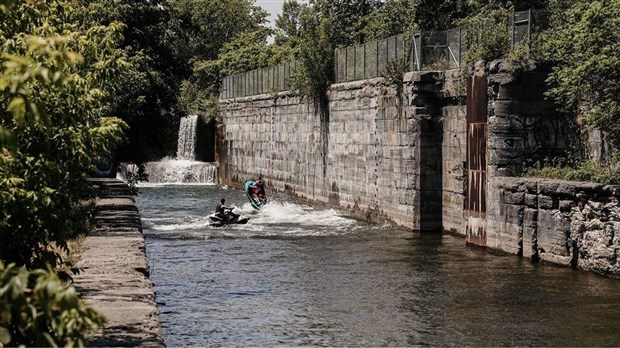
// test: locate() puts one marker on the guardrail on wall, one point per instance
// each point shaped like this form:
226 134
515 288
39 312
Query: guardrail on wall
259 81
425 50
370 59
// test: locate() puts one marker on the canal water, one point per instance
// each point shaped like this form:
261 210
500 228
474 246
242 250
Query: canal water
295 276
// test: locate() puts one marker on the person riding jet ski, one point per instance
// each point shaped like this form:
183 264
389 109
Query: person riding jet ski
220 210
224 215
255 190
260 188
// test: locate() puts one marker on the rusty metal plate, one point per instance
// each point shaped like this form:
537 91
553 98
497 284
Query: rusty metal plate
477 139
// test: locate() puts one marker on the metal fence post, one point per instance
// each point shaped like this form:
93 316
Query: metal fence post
377 54
354 63
420 50
460 46
336 65
513 30
396 48
364 70
529 27
346 64
387 56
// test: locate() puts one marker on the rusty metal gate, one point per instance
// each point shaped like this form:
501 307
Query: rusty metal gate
475 202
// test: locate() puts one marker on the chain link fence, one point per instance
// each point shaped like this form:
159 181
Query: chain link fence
425 50
272 79
370 59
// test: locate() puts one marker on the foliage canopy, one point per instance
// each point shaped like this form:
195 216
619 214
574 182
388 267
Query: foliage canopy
37 309
53 86
584 52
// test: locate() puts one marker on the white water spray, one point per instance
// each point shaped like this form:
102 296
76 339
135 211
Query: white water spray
171 171
186 143
184 169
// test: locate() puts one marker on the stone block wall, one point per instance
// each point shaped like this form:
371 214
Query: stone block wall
273 136
454 152
523 128
566 223
399 152
383 152
372 157
550 221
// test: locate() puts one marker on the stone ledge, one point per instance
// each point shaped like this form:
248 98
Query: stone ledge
114 273
565 223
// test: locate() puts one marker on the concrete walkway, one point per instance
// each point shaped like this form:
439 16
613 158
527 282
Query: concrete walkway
115 272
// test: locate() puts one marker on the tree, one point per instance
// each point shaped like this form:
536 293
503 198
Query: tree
226 37
37 309
53 86
347 18
440 14
207 25
288 24
584 51
146 95
393 18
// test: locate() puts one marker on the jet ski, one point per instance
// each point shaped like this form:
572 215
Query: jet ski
252 193
230 218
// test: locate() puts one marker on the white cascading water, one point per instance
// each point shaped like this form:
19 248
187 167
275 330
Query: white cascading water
172 171
186 143
184 169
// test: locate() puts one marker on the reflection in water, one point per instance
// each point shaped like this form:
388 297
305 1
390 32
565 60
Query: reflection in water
299 276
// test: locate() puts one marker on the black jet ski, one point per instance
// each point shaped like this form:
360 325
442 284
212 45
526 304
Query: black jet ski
255 200
230 218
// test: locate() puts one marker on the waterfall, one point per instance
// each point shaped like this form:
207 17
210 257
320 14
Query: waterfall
173 171
184 169
186 143
181 172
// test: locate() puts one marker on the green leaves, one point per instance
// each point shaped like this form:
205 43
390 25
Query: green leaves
37 309
587 171
583 48
486 33
55 80
17 106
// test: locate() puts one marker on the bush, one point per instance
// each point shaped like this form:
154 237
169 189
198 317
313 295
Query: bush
37 309
486 34
587 171
54 81
584 51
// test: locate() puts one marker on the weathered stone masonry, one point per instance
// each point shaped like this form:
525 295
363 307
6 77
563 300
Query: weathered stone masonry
400 152
565 223
114 275
383 156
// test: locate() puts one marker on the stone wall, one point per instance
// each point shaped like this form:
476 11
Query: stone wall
400 151
523 129
114 271
560 222
383 153
564 223
273 136
454 151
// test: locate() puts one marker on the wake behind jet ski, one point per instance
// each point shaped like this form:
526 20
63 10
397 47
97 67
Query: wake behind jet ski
255 190
225 216
229 218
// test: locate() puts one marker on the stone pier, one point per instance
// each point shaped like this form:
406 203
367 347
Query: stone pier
114 275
